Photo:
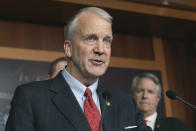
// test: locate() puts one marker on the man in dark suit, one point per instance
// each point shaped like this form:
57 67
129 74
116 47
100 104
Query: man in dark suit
74 100
146 89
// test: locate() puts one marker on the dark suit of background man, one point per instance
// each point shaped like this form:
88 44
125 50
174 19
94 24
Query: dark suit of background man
59 104
146 89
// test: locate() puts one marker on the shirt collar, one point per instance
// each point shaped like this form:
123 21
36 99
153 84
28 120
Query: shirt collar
151 120
76 86
152 117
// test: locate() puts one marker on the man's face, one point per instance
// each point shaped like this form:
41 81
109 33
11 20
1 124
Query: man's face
90 48
146 96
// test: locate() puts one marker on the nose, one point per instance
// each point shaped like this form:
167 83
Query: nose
145 94
99 48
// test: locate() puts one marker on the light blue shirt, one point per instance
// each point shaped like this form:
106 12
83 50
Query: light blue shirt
79 89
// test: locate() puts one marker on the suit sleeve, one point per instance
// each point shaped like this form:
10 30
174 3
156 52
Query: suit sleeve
20 115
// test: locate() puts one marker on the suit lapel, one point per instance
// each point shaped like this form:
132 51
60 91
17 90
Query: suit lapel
67 104
108 120
157 125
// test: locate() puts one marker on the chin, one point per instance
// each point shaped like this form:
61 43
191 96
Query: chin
96 74
143 108
98 71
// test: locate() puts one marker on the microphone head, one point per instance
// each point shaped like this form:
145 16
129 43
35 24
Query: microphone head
171 94
106 95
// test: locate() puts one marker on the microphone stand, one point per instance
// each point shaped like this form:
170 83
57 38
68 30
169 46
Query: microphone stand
185 102
173 95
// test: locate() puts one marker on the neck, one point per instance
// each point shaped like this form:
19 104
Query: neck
145 115
86 80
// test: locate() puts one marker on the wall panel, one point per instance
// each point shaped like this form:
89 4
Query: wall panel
31 36
180 63
130 46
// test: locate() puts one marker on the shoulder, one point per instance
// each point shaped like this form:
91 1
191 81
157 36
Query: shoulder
174 122
32 89
33 86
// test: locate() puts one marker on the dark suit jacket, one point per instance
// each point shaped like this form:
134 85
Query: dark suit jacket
170 124
51 106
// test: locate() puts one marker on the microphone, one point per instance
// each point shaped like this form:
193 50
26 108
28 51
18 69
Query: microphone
173 95
106 96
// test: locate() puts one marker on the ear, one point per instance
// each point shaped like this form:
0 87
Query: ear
68 48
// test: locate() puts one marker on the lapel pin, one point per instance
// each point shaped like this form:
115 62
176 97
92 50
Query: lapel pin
108 103
157 126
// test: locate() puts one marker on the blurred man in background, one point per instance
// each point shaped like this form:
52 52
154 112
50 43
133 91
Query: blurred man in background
56 66
146 89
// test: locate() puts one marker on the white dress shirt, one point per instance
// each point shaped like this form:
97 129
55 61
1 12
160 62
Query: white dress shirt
151 120
79 89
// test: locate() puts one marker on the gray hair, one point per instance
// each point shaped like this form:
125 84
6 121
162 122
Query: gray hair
70 28
150 76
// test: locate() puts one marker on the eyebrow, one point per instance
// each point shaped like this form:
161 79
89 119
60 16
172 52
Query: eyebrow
107 36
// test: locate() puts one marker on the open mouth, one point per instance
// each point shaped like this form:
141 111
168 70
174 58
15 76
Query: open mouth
97 62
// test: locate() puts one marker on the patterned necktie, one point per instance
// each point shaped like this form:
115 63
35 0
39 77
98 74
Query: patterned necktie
91 111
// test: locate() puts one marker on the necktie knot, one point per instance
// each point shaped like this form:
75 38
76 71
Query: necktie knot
88 93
